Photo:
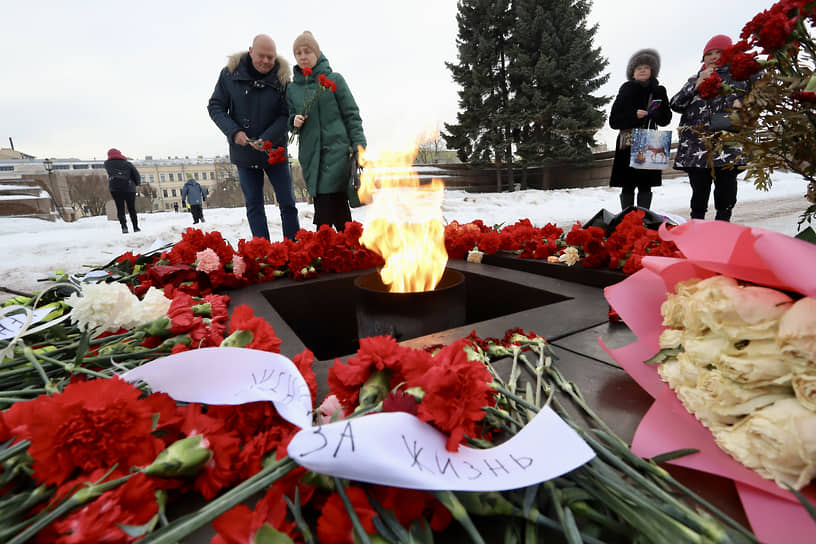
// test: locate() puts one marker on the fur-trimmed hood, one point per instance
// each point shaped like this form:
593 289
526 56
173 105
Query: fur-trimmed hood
284 69
649 57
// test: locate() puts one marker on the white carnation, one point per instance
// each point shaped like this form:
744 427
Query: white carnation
105 307
570 256
154 305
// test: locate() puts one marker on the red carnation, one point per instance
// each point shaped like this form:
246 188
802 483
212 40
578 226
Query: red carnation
710 87
306 71
240 524
375 353
131 504
411 505
276 155
222 469
263 335
490 242
304 361
90 425
247 419
334 525
743 66
805 96
456 392
775 32
181 313
399 401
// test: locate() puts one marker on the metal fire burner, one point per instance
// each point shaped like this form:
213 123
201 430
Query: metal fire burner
409 315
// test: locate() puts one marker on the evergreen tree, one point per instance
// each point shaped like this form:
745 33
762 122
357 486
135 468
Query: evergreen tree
554 69
484 31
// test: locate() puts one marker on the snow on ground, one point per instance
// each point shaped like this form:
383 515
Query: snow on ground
33 249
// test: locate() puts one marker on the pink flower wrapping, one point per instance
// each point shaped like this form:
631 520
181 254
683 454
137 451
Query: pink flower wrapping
712 247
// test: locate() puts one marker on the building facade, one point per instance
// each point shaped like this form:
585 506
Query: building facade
163 177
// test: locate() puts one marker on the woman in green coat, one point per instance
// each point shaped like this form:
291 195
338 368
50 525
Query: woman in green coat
329 132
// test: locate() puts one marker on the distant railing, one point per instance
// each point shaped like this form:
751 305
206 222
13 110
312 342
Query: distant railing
555 176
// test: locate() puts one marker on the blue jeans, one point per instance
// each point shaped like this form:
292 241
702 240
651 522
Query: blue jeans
252 180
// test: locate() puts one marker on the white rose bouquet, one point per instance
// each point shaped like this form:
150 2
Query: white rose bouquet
735 327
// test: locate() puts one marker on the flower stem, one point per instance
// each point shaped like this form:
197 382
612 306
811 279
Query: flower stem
360 533
13 450
181 527
46 517
457 510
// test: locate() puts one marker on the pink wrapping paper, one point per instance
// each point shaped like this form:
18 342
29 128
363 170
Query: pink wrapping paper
711 247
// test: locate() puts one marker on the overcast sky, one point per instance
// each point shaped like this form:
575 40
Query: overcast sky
81 77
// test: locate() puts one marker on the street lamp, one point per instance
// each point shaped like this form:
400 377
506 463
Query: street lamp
49 167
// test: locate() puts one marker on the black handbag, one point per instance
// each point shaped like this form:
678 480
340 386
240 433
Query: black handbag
355 171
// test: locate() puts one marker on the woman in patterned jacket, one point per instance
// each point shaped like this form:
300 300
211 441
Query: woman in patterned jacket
709 114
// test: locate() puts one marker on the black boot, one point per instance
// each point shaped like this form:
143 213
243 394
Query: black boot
644 199
627 200
723 215
124 229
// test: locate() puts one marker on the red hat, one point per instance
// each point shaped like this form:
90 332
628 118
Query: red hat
720 41
114 153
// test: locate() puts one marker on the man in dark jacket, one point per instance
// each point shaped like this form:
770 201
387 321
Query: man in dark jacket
249 106
193 193
123 178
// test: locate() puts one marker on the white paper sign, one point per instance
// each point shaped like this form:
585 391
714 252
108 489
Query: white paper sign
394 449
11 323
230 376
157 244
400 450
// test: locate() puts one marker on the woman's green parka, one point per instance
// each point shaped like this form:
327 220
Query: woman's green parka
331 132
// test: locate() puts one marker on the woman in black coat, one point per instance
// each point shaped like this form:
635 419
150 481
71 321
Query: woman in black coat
123 178
631 110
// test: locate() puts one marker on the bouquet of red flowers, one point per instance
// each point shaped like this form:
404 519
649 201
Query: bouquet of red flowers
774 126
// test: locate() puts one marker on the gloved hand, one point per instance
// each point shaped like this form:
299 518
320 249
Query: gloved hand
183 204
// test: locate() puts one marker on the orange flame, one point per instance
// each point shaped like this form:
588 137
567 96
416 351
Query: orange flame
404 223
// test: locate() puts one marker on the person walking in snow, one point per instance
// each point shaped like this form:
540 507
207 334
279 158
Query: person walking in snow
195 194
123 178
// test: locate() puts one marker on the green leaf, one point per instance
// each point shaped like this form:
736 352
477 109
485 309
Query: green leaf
671 455
421 533
269 535
664 355
808 235
137 531
809 506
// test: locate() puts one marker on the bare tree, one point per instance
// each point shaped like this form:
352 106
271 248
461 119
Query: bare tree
226 193
225 170
145 196
298 182
428 151
89 192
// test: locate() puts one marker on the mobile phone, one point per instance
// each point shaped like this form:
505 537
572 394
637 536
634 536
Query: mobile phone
653 105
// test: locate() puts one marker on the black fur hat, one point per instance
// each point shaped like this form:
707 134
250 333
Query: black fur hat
649 57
